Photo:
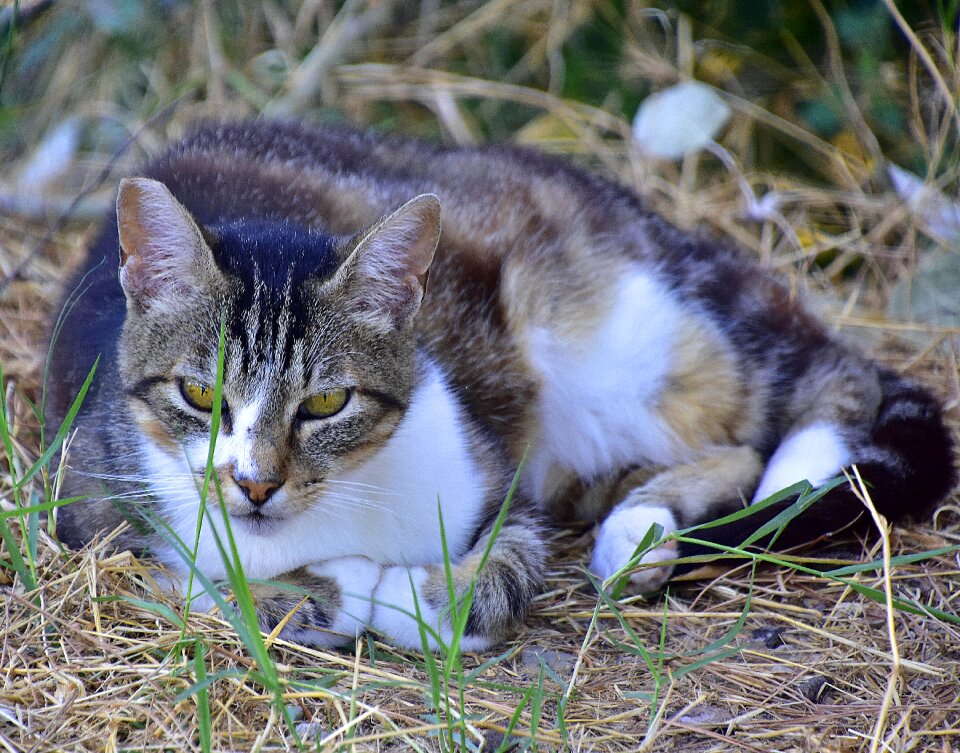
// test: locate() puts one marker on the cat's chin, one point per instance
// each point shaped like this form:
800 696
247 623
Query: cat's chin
256 522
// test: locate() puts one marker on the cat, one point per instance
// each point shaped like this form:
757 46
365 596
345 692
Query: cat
403 324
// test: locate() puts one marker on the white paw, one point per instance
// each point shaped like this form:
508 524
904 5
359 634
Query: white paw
816 454
357 578
620 535
395 614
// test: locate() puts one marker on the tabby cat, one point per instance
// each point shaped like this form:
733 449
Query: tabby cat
403 324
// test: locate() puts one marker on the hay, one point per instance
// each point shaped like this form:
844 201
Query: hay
86 666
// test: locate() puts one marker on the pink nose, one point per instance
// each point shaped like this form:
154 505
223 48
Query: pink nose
257 492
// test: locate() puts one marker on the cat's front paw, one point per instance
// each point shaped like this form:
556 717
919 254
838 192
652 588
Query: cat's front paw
324 604
620 535
402 593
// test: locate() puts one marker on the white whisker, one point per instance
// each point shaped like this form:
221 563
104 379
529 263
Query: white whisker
356 503
359 485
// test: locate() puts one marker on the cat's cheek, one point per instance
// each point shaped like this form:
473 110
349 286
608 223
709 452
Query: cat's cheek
620 535
395 605
357 578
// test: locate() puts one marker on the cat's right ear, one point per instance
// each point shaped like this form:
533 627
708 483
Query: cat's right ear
384 276
162 251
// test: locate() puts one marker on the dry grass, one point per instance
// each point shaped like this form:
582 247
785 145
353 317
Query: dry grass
778 661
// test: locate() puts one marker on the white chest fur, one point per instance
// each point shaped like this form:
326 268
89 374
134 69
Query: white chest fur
595 412
385 510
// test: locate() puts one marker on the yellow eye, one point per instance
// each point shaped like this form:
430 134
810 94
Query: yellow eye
198 394
324 404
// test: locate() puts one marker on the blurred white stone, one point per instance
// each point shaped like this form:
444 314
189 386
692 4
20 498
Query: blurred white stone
51 159
679 120
937 211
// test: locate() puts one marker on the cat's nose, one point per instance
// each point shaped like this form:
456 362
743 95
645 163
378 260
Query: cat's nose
257 492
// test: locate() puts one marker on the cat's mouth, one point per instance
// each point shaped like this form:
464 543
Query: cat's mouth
256 521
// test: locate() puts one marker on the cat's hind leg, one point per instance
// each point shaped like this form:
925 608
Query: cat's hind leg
504 586
681 496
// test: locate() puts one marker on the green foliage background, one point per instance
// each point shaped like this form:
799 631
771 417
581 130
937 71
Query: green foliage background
809 63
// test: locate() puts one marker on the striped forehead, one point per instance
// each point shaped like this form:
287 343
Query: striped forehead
272 310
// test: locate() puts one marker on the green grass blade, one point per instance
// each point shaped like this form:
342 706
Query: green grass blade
614 608
619 579
38 508
207 682
502 516
903 559
872 593
215 417
737 626
17 563
45 456
719 656
525 700
536 710
807 498
25 569
161 610
475 674
203 698
429 660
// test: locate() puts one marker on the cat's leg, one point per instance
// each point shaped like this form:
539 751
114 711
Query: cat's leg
503 589
324 604
681 496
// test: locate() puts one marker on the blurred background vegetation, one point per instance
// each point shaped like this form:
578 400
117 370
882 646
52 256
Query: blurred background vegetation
831 101
830 68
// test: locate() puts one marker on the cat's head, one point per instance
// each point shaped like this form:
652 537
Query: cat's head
318 346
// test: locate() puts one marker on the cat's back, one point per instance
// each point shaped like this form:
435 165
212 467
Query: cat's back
342 180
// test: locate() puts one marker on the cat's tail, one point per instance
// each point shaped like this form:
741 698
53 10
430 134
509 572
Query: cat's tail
908 467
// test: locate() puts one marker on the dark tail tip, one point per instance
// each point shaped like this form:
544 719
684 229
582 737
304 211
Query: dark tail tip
910 463
908 468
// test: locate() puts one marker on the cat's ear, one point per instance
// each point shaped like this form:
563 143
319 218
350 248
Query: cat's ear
163 256
385 275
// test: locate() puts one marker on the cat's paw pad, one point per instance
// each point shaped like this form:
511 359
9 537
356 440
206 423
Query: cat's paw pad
620 535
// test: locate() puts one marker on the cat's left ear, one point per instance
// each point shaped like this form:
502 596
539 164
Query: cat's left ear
385 275
163 255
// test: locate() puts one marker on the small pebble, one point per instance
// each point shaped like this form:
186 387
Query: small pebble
560 662
310 730
771 637
814 688
295 712
707 716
